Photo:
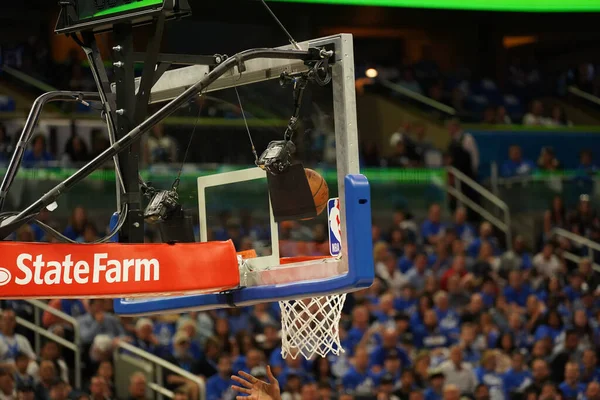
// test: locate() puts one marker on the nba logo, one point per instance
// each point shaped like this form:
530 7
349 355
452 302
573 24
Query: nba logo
335 227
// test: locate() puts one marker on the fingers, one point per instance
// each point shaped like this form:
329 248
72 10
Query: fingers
241 381
249 377
270 375
246 398
241 389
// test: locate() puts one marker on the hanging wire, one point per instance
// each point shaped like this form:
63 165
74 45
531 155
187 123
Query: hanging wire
178 179
246 123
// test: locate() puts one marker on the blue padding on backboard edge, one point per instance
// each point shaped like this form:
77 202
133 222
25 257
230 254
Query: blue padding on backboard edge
361 271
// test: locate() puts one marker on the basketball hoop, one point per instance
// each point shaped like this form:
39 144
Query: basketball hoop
311 326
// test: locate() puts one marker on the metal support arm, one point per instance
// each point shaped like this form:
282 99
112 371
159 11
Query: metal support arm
29 128
9 225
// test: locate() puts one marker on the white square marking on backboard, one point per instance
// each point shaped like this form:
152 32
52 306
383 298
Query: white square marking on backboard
226 178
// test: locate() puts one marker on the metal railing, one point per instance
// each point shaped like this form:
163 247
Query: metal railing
584 95
124 351
417 97
581 240
461 179
39 330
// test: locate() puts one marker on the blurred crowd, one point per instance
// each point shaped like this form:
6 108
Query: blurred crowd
452 314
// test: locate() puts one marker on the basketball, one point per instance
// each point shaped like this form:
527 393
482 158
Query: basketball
319 189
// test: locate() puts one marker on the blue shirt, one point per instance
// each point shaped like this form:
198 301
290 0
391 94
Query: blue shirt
517 296
354 380
465 232
405 264
434 339
473 249
516 381
570 392
492 380
430 394
377 357
30 160
407 306
448 320
587 378
429 228
353 337
526 261
571 293
547 331
521 168
417 280
217 387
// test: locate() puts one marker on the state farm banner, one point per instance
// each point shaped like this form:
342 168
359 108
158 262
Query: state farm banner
40 270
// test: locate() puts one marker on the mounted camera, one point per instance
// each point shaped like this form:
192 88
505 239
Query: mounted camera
277 158
162 205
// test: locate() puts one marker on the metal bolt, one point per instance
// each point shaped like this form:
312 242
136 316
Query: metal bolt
118 64
120 111
218 59
117 48
136 224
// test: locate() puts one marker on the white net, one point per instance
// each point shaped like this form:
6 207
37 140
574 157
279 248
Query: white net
311 326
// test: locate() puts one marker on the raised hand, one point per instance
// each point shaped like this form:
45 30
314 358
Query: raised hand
255 388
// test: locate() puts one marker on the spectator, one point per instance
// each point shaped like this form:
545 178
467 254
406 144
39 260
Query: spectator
451 392
486 374
25 392
59 390
547 160
106 371
183 358
502 118
37 156
458 269
51 351
74 308
11 343
406 262
407 385
430 335
571 388
358 379
546 263
77 223
76 151
589 371
97 321
391 275
517 378
552 327
463 150
418 274
7 385
402 155
516 165
564 353
159 147
219 386
432 229
370 155
138 386
558 117
593 391
586 163
409 82
99 389
540 375
144 337
485 235
48 376
389 343
22 376
458 373
464 230
435 389
535 117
